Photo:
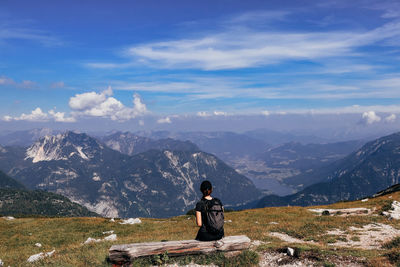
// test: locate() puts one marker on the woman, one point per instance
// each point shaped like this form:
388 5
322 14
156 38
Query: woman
209 215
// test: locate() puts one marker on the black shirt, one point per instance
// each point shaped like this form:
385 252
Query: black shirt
201 207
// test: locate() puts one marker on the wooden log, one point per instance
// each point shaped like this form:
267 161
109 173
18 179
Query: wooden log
126 253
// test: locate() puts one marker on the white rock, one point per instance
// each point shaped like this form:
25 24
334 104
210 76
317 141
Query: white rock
273 223
91 240
290 252
9 218
112 220
394 212
364 200
228 221
112 237
131 221
40 256
108 232
347 212
38 245
1 263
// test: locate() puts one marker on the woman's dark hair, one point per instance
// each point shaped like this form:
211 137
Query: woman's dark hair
206 188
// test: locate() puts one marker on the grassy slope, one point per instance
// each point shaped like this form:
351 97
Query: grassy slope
30 203
65 235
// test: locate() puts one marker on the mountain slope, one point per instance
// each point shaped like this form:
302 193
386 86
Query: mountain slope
156 183
307 156
8 182
312 161
15 202
374 167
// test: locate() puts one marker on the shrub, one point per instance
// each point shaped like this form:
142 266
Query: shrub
394 243
326 213
191 212
386 206
394 256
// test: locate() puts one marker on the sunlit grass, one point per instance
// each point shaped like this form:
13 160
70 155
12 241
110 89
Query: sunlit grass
66 235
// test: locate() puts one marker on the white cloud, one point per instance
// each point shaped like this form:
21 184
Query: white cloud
390 118
258 17
90 104
164 120
243 47
203 114
139 106
391 9
7 118
265 113
88 100
370 117
60 117
22 32
219 113
103 105
6 81
37 115
24 84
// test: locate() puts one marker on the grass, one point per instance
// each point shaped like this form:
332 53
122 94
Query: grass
66 235
245 258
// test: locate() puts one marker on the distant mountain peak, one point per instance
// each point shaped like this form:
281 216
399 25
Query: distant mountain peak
63 147
130 144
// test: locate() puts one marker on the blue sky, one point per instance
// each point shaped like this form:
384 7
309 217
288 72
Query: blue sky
153 63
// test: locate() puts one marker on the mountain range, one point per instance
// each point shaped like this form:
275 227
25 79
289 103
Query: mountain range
159 182
126 174
374 167
281 168
276 162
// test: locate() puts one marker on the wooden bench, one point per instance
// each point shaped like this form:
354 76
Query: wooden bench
125 254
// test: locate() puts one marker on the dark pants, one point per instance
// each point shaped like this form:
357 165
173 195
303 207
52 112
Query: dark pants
206 236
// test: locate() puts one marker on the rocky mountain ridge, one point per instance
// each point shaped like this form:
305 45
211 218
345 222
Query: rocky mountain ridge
155 183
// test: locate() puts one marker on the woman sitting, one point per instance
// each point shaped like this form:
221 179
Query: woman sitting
209 215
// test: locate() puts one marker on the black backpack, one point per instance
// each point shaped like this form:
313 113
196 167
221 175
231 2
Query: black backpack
215 216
